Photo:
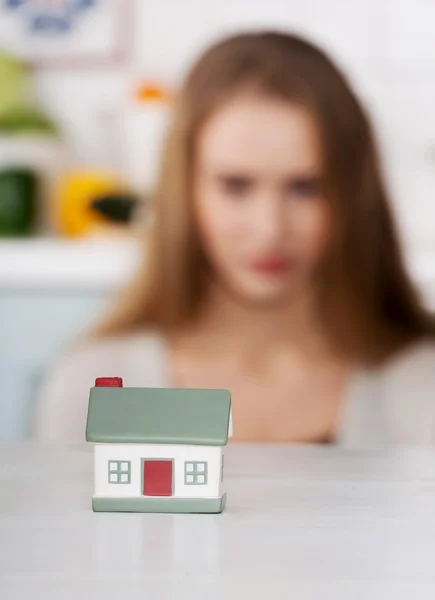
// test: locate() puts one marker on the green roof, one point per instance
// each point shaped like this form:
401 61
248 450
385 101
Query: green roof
158 416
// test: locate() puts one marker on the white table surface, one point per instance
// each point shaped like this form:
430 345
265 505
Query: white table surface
300 523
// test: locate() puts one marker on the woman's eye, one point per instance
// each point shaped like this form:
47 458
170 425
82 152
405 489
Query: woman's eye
236 186
304 187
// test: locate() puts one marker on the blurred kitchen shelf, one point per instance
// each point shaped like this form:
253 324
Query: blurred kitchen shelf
62 264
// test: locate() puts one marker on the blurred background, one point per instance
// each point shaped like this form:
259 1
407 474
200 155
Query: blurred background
85 95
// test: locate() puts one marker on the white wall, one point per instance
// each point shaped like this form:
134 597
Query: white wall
103 453
386 46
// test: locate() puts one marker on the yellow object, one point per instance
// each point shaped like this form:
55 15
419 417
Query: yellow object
151 93
74 216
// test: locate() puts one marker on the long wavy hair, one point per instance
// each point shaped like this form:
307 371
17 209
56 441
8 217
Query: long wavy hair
368 300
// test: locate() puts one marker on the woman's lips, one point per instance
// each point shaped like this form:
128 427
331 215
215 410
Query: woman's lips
273 265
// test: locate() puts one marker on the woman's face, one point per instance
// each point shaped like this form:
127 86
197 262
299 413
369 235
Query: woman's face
263 220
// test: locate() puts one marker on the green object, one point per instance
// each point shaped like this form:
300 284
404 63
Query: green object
19 189
13 82
24 119
18 111
159 505
158 416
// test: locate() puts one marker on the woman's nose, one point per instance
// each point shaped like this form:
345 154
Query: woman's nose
270 220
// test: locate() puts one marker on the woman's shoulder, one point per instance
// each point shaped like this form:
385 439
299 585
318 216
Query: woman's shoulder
394 404
119 350
417 360
139 359
407 391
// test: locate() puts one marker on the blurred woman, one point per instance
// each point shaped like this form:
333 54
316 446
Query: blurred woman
272 267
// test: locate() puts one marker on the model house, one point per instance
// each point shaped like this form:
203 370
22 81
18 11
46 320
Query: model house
158 449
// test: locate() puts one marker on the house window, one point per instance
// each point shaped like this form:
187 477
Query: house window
119 471
195 473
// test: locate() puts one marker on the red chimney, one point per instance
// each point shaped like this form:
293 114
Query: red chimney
108 382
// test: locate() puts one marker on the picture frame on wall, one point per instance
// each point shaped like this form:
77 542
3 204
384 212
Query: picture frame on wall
66 33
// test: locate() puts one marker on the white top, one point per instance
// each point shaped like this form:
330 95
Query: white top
393 406
302 523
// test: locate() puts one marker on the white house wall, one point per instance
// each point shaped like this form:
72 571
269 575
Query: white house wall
137 452
223 485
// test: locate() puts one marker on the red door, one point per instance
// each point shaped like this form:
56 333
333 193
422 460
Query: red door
157 478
